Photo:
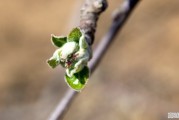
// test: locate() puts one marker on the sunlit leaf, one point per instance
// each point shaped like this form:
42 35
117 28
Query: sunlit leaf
58 41
74 35
78 80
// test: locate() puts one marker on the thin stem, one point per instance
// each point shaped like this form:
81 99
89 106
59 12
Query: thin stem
119 19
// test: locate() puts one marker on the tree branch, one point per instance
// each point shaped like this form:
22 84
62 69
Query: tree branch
119 18
90 12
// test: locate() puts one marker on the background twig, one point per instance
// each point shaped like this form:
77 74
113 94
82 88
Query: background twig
119 18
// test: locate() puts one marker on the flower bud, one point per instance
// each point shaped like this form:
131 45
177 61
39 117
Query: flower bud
68 49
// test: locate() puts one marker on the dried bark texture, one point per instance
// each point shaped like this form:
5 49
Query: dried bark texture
89 15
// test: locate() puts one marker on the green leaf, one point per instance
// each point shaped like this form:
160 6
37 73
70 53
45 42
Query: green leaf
82 42
78 80
58 40
75 35
54 60
52 63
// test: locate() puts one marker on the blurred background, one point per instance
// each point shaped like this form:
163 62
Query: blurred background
138 78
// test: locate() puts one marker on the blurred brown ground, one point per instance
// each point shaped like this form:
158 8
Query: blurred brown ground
138 78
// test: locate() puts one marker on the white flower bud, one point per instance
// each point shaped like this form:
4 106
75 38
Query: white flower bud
56 54
82 57
68 49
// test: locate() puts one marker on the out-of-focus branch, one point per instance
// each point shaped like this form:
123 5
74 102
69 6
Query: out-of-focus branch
119 18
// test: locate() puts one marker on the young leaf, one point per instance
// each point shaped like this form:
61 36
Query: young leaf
78 80
52 63
54 60
58 40
75 35
82 42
